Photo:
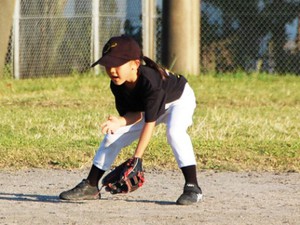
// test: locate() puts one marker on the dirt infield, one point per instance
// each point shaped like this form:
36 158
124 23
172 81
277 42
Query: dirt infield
30 197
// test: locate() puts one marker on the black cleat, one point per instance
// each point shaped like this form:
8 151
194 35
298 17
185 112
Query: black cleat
83 191
191 194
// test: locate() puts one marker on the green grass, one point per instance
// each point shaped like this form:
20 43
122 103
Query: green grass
242 122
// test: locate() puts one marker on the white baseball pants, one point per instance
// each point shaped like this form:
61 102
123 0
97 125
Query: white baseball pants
177 117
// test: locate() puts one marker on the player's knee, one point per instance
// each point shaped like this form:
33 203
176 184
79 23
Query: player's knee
175 135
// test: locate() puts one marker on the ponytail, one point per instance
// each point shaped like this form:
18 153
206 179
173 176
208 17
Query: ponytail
149 62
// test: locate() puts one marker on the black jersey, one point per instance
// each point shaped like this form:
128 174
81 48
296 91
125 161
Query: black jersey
150 93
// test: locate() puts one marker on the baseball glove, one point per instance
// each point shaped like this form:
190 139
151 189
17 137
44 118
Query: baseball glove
125 178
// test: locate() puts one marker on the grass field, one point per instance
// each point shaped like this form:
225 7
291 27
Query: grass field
242 122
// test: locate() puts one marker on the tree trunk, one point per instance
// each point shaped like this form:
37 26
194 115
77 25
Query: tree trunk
298 34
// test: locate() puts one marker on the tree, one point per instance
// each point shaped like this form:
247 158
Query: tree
239 34
298 33
280 13
246 23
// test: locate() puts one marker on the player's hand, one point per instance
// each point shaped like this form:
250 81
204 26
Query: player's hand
111 125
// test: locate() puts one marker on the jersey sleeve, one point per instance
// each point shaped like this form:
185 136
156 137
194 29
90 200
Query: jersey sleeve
120 101
120 107
154 104
154 98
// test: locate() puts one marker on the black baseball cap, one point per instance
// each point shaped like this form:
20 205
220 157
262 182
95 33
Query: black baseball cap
119 50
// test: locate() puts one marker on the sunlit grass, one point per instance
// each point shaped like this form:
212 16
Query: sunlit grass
242 122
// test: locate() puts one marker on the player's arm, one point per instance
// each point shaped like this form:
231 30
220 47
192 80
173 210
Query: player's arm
144 139
130 118
115 122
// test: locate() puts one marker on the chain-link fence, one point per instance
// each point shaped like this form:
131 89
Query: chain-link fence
58 37
260 35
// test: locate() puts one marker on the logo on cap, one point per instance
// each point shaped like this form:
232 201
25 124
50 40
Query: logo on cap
108 46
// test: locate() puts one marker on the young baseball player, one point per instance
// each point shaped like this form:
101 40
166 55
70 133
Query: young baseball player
146 95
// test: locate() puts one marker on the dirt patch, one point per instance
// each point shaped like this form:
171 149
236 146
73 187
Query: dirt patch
31 197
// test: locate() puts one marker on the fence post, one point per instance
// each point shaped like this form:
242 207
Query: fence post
148 8
181 36
16 40
95 52
6 22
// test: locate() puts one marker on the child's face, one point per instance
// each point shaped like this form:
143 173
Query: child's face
124 73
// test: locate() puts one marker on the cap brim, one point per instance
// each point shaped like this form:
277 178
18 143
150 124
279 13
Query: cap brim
110 61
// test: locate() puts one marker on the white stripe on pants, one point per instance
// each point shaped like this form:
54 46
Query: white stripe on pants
178 117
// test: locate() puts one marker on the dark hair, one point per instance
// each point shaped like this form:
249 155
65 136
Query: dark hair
149 62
